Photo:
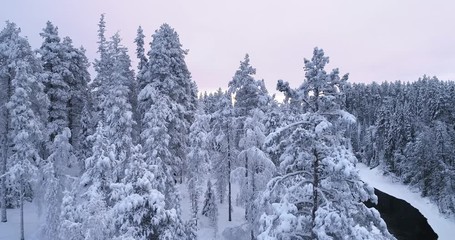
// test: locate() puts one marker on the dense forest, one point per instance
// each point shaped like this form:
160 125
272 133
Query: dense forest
103 157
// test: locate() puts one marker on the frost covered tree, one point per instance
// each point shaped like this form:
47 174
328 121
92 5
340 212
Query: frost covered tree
103 68
141 56
403 128
318 193
248 92
71 218
210 209
95 187
250 99
255 168
116 107
156 139
57 176
77 79
198 159
157 142
66 78
140 212
20 77
26 133
140 50
222 138
56 74
167 73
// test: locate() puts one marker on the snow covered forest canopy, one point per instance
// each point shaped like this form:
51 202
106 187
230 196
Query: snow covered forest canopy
107 157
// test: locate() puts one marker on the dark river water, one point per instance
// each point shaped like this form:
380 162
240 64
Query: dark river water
403 220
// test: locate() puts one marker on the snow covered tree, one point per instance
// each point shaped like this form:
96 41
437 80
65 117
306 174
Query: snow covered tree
103 67
318 192
116 108
140 54
166 71
140 211
55 71
88 125
26 133
198 159
77 79
210 209
15 55
140 50
249 93
66 74
71 217
95 187
222 137
251 99
157 140
255 168
57 176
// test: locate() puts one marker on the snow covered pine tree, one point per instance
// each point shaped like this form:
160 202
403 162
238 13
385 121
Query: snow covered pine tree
318 193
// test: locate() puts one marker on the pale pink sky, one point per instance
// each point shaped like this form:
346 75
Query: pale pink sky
373 40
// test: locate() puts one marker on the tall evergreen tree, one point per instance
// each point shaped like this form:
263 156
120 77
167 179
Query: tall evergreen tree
222 137
166 71
58 176
77 79
20 74
140 211
198 159
56 75
103 66
318 188
95 187
116 108
26 133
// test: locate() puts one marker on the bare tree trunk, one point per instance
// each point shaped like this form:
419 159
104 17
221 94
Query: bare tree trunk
3 168
246 184
315 189
229 179
22 209
253 190
3 180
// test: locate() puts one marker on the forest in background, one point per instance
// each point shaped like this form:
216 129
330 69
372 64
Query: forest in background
103 156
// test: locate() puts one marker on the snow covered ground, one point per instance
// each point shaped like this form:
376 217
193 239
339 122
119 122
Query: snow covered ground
444 227
10 230
205 231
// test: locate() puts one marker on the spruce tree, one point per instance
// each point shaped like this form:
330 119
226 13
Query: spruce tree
21 78
167 73
26 134
55 72
139 212
210 208
57 176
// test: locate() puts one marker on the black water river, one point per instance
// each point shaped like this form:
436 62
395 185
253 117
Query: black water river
403 220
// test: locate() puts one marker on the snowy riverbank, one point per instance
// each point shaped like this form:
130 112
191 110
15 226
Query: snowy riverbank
444 227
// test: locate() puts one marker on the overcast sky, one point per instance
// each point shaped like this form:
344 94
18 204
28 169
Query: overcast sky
373 40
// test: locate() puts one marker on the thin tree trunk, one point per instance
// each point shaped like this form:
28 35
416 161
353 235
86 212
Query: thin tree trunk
3 168
3 180
246 184
315 189
22 209
229 179
253 190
